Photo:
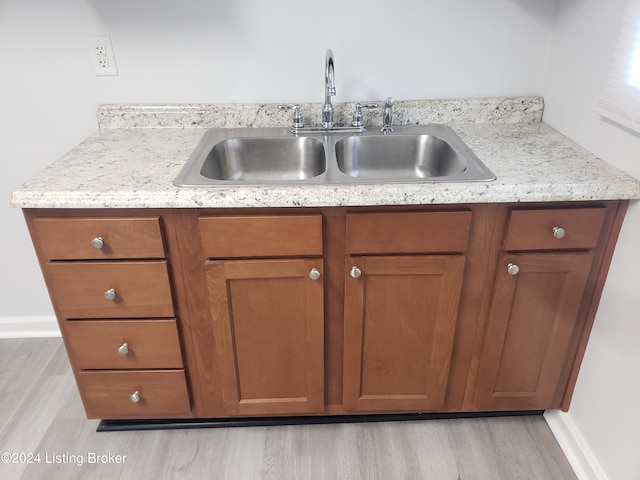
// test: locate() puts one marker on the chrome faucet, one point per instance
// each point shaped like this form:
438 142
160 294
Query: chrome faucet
357 124
329 91
387 116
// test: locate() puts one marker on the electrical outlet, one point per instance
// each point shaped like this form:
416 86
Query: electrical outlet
102 59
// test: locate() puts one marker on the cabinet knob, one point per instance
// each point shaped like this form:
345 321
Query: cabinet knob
123 349
314 274
110 294
135 397
513 269
559 232
97 243
355 272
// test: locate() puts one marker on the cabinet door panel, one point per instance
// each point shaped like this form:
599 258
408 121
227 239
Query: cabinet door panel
400 318
533 317
269 321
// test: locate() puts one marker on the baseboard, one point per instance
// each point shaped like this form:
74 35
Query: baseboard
29 327
575 448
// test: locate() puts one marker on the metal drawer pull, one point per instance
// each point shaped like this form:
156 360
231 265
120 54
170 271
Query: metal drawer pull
513 269
314 274
559 232
135 397
110 294
123 349
97 243
355 272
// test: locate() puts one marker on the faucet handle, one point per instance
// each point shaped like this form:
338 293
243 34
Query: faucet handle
387 116
298 122
357 115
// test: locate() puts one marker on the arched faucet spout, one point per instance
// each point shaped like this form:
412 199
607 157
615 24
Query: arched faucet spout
329 90
329 76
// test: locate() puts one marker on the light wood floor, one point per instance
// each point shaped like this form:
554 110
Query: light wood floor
40 412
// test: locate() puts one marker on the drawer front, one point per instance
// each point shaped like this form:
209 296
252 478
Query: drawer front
554 229
108 394
141 289
123 344
77 238
261 236
408 232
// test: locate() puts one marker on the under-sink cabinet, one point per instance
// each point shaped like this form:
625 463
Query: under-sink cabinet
215 313
265 289
402 291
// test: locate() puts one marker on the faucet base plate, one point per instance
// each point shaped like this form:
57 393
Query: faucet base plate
320 129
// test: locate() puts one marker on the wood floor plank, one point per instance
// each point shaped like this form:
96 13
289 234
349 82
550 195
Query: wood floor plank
490 448
286 455
22 362
315 451
397 450
47 418
34 415
547 449
426 444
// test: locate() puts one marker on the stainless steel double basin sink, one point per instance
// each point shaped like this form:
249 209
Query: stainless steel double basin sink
275 156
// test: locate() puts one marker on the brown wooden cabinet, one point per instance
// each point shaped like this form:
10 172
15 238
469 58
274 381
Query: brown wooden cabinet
269 323
110 286
534 315
538 306
401 307
219 313
265 295
400 320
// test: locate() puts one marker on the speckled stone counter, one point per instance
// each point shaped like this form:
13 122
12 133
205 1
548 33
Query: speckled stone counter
132 160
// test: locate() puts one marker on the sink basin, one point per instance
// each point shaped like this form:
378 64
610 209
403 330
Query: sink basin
276 157
428 153
265 159
397 157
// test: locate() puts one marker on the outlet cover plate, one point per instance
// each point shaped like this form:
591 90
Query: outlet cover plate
102 58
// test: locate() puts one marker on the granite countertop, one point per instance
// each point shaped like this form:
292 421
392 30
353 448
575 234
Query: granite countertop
132 160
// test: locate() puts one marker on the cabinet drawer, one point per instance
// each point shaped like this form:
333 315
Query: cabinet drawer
141 289
410 232
162 393
540 229
126 344
73 238
261 236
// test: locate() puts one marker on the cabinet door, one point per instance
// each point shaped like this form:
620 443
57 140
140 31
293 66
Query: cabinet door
400 318
533 317
269 327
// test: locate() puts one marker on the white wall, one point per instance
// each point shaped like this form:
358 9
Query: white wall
605 405
235 51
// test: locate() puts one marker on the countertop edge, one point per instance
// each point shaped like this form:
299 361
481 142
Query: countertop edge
119 200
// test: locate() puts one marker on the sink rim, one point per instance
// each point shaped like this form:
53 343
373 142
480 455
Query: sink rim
190 177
